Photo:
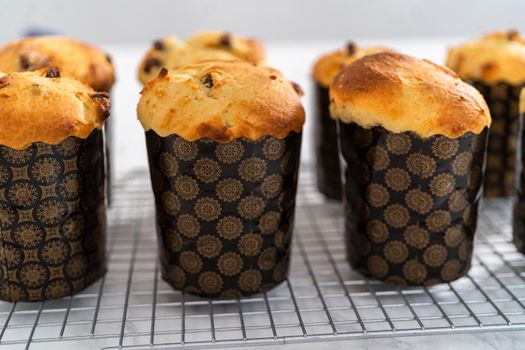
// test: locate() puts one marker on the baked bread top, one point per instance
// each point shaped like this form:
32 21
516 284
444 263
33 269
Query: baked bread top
43 106
80 60
495 57
330 64
171 52
403 93
222 101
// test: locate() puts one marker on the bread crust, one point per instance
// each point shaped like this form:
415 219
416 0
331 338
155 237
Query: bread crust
221 100
329 65
80 60
403 93
495 57
40 106
171 52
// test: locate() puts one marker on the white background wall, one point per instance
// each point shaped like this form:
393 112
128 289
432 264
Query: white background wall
134 21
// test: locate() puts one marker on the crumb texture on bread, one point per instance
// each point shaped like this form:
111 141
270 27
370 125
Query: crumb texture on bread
492 58
43 106
403 93
222 101
80 60
171 52
329 65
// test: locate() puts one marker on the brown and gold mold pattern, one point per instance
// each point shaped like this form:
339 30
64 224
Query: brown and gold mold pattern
502 147
80 60
225 211
412 138
495 65
412 203
518 217
52 218
327 167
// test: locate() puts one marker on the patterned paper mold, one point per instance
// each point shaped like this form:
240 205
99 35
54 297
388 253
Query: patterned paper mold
328 170
410 203
52 218
225 212
518 217
503 101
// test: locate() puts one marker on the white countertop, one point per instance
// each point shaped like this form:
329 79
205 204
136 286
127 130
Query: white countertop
478 341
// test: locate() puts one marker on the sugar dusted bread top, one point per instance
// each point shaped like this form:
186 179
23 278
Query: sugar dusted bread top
403 93
171 52
222 101
495 57
42 106
82 61
329 65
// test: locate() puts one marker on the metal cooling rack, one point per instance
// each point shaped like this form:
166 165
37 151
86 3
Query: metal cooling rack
323 299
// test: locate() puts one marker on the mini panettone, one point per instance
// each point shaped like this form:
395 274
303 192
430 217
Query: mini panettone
412 138
224 140
402 93
495 65
327 167
43 106
52 185
222 101
80 60
495 57
328 66
171 52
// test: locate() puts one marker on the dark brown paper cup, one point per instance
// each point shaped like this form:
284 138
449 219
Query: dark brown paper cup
328 170
410 203
518 217
500 173
52 218
108 148
225 212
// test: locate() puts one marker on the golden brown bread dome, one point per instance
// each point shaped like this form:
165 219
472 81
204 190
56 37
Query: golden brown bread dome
247 49
329 65
82 61
221 100
171 52
42 106
403 93
498 56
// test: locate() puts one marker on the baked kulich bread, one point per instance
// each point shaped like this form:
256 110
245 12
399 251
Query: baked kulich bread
80 60
222 101
328 172
493 58
246 49
52 185
223 141
495 65
412 138
518 215
329 65
171 52
403 93
43 106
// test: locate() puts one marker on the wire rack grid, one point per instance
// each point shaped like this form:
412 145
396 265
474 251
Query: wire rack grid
323 299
